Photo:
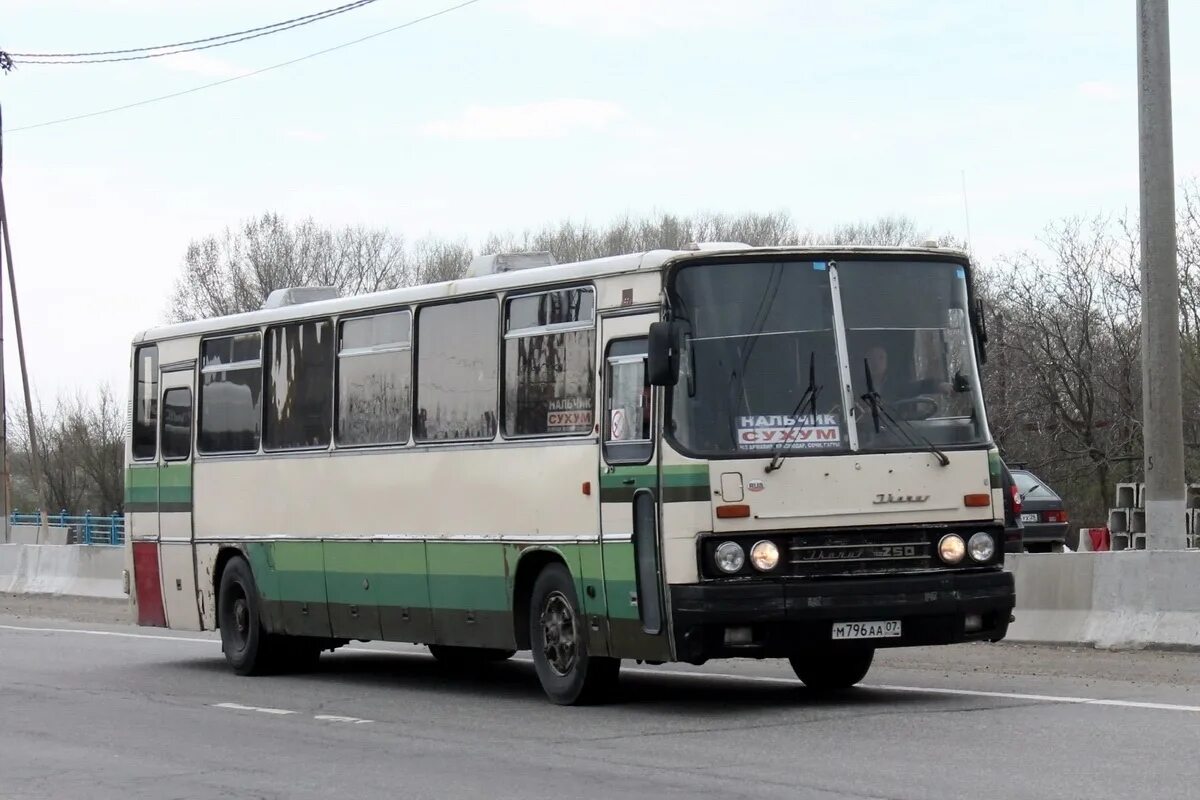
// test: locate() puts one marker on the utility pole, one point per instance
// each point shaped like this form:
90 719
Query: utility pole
1161 390
34 467
4 489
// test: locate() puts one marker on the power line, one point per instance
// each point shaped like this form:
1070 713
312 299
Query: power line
249 33
223 81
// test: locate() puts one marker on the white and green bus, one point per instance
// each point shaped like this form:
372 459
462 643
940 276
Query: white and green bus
715 452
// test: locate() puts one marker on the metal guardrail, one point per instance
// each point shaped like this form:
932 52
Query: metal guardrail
86 528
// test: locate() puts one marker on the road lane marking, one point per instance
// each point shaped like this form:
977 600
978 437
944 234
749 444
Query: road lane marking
118 634
1043 698
259 709
336 718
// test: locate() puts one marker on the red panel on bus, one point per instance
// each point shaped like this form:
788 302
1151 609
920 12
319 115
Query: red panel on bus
147 584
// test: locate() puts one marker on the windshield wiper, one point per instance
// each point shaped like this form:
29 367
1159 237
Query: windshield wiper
810 395
908 432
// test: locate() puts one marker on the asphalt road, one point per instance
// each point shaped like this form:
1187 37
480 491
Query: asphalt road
93 708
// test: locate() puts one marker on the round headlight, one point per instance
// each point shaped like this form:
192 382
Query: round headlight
764 555
730 557
952 548
981 546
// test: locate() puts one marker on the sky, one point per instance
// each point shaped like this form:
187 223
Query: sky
508 114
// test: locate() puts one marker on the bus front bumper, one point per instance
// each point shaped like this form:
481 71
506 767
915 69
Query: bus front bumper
777 619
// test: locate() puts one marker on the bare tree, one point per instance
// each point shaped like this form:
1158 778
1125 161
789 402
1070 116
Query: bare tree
98 428
1063 382
81 455
437 260
237 270
893 230
575 241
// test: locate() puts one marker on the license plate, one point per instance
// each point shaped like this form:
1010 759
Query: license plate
887 629
1029 518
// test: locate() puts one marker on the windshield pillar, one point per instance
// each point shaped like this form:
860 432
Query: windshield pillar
843 356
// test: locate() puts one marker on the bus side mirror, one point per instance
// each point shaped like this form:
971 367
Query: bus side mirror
662 356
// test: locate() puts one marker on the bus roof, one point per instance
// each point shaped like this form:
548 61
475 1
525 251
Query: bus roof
533 276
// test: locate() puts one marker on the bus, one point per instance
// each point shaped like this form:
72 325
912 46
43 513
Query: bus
673 456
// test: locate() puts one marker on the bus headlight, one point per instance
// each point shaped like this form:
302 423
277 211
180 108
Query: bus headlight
730 557
981 546
764 555
952 548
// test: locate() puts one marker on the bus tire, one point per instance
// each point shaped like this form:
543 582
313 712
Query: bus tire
830 671
453 656
558 638
248 648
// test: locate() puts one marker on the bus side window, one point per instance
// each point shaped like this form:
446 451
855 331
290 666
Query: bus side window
628 414
458 365
145 403
230 393
299 386
177 425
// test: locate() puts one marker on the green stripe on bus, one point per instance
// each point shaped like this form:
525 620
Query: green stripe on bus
298 556
175 475
689 475
158 488
687 483
141 476
141 495
472 576
619 580
141 488
465 558
174 495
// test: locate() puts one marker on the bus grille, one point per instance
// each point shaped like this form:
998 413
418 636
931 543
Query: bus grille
859 552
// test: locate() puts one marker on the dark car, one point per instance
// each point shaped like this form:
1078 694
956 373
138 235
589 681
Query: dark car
1014 533
1042 515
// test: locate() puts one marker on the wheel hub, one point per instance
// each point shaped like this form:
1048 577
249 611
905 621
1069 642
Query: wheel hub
560 640
241 616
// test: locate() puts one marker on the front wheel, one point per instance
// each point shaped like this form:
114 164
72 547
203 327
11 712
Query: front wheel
832 670
558 637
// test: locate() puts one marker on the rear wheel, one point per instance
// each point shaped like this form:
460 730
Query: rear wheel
558 637
248 648
829 671
468 656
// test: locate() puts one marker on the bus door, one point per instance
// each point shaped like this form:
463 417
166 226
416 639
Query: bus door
629 486
177 553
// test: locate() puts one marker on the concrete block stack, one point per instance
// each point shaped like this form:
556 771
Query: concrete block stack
1127 522
1193 516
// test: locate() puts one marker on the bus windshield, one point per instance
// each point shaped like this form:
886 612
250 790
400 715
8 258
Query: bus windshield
768 345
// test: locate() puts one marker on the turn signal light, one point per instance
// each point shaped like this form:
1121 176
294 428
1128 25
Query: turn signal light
733 511
977 500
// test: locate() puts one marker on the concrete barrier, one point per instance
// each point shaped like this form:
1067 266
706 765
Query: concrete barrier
38 534
1127 599
75 570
